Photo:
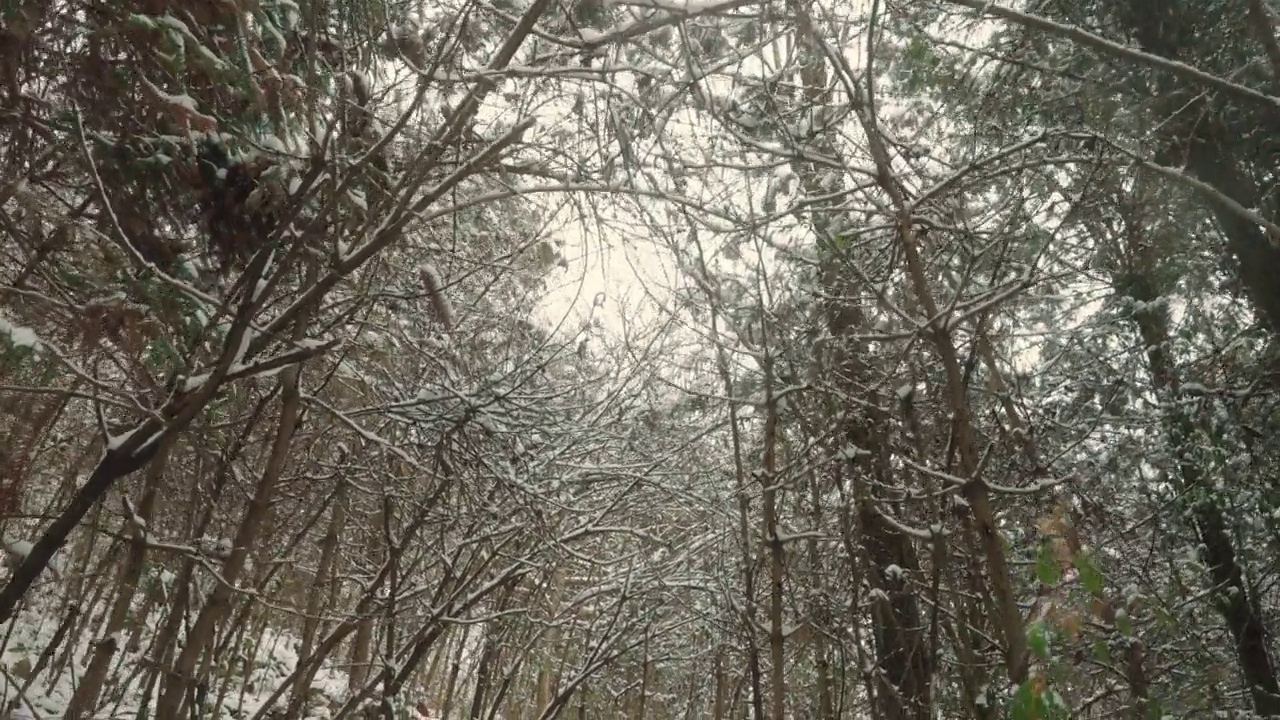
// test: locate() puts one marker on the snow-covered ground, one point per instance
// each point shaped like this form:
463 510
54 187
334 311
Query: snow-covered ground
242 683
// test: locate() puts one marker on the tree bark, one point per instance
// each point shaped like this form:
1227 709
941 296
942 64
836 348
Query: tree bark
317 596
85 698
181 679
1236 601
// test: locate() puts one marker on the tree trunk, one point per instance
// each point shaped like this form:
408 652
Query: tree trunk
1208 149
362 643
316 597
181 679
777 556
1236 601
85 698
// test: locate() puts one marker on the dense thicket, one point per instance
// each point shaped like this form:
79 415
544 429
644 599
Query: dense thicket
374 358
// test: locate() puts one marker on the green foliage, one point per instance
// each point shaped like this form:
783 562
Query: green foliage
1047 570
1123 623
162 358
13 356
920 63
590 13
1035 700
1101 650
1090 578
1038 639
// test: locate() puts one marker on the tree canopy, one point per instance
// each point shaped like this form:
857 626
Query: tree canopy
640 359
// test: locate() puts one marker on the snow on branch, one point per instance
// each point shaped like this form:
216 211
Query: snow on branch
183 108
306 350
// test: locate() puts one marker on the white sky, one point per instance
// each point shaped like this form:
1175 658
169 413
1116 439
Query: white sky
635 273
613 256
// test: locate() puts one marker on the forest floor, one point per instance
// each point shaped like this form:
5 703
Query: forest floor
39 670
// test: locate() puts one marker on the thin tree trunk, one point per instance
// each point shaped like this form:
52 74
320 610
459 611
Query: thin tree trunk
130 455
316 596
85 698
748 611
817 609
643 695
777 556
181 679
362 643
455 668
720 698
902 687
484 671
974 489
546 674
1237 602
201 513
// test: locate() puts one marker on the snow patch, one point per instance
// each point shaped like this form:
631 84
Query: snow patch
852 452
16 552
19 335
